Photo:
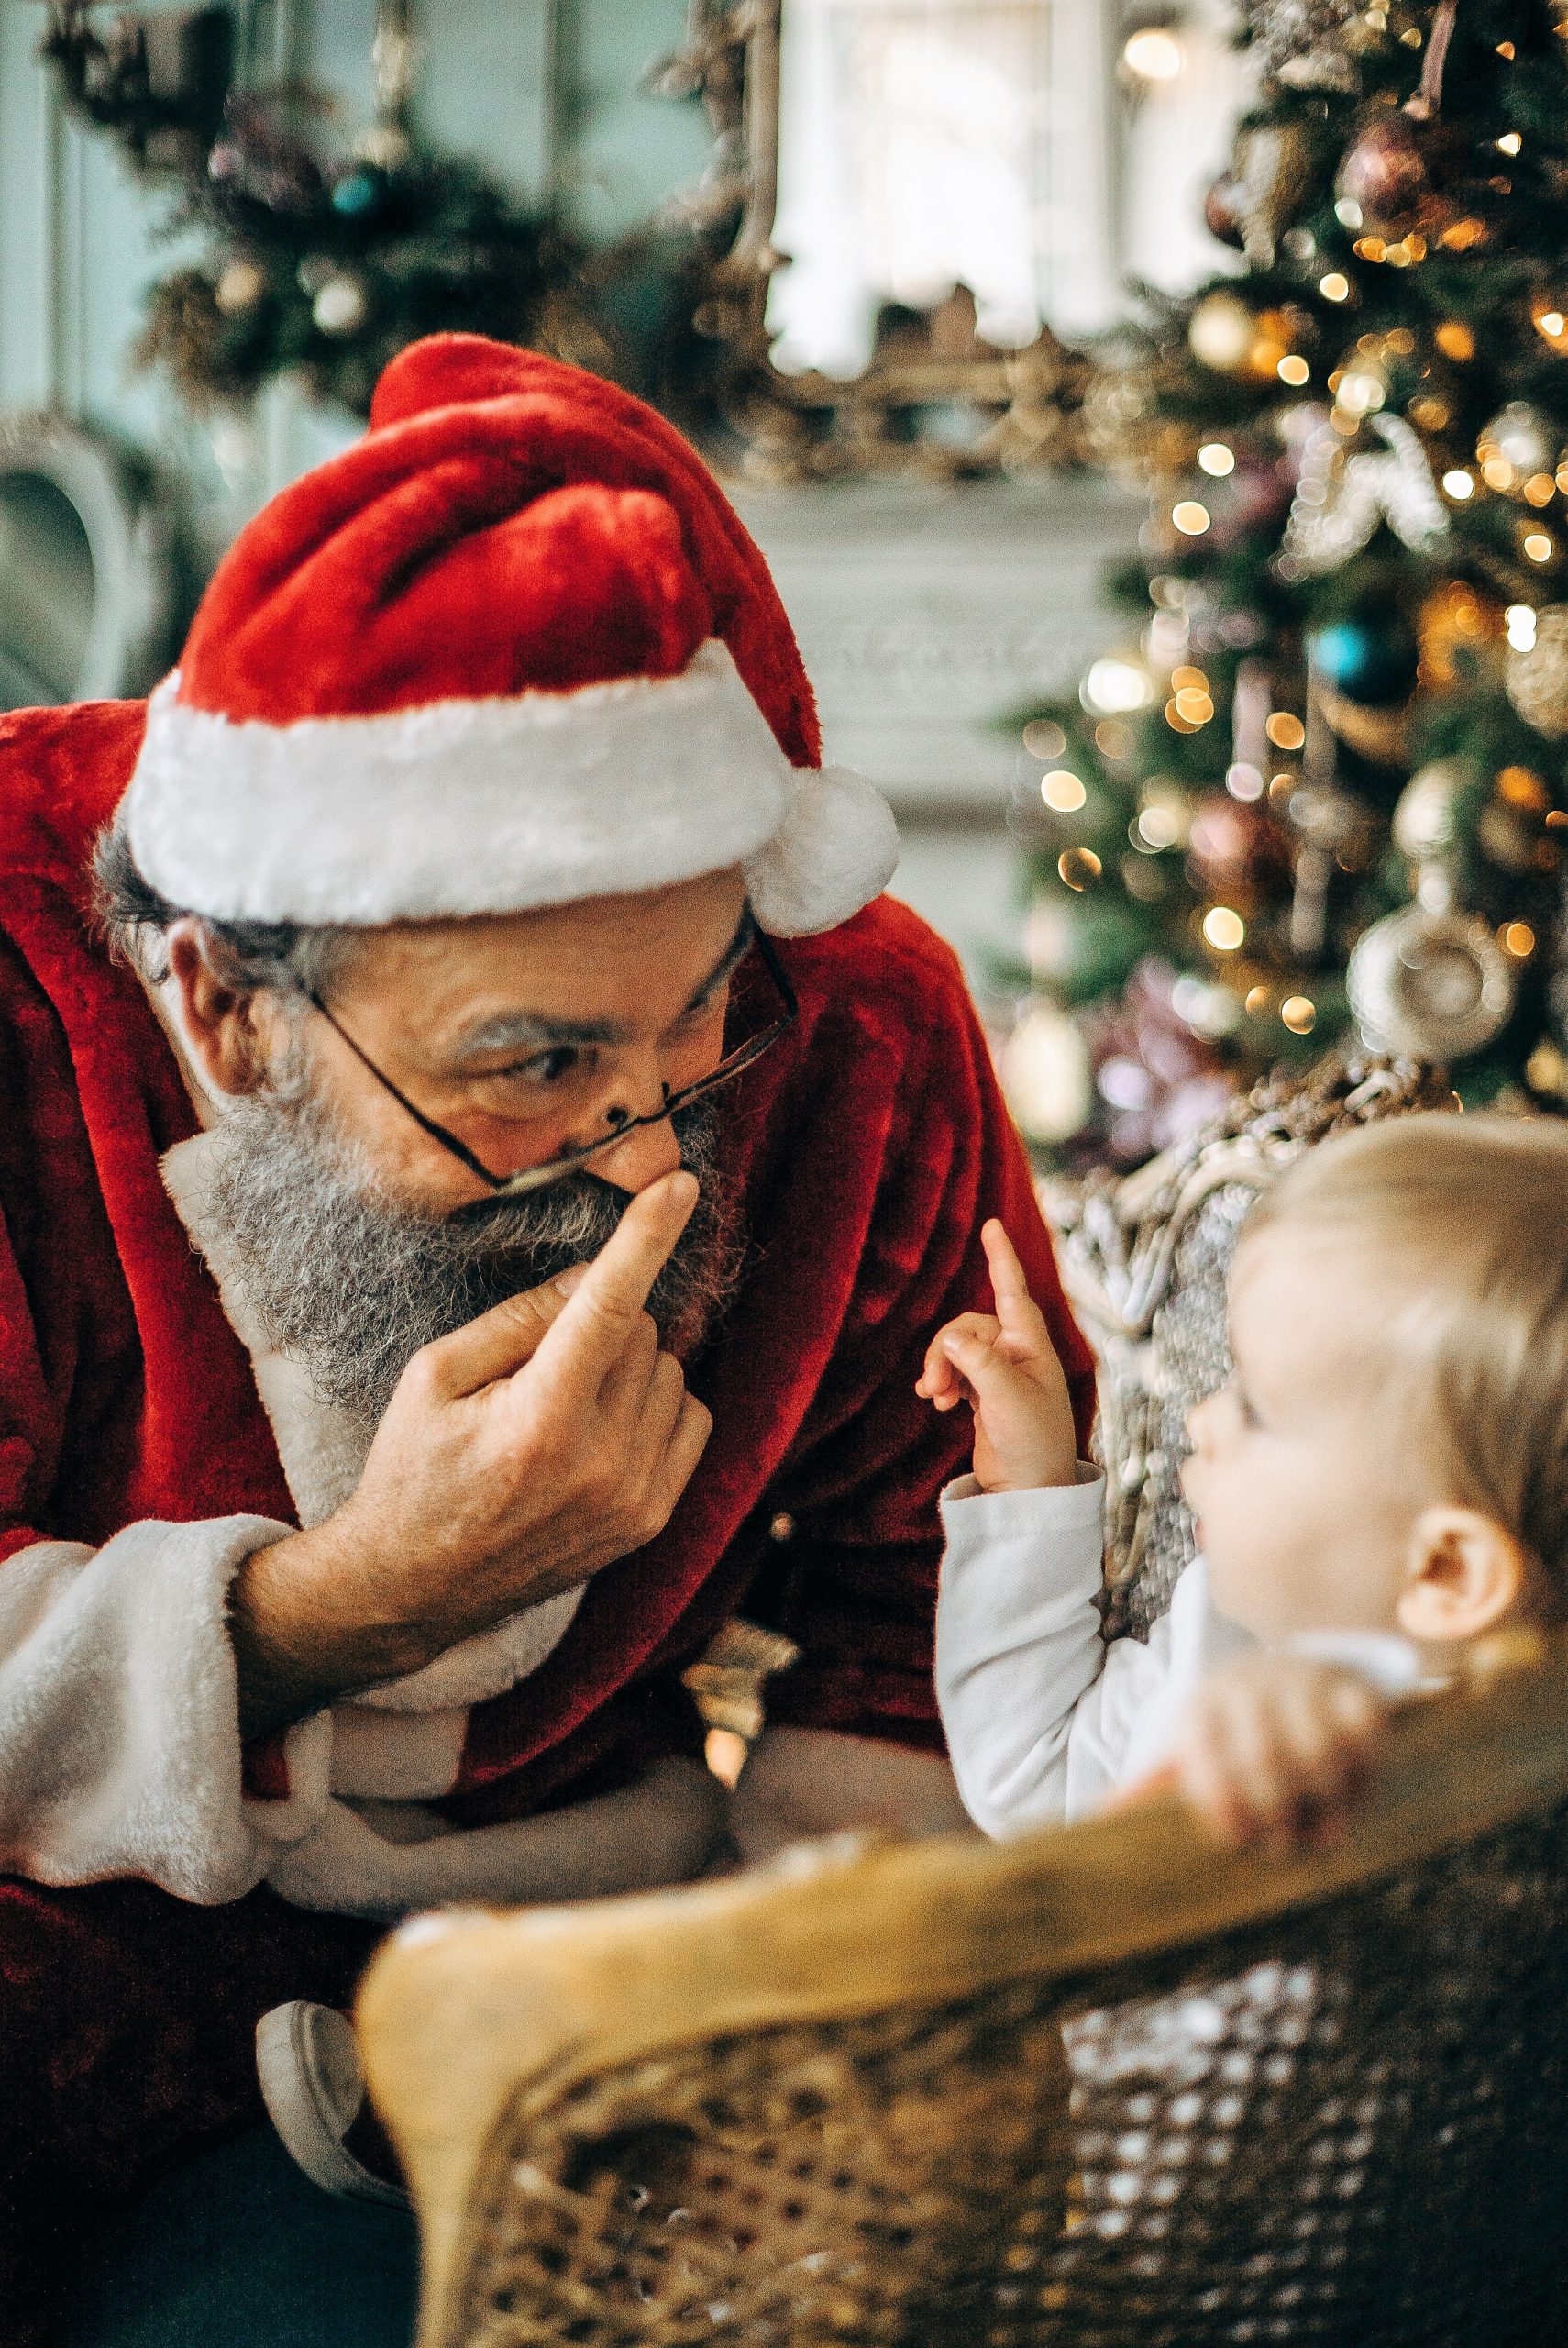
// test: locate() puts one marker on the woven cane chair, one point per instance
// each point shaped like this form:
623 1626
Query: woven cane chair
1105 2087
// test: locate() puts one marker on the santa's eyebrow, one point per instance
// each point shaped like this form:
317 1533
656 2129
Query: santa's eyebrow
529 1031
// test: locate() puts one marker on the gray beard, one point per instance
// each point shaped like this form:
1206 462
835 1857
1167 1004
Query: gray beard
350 1283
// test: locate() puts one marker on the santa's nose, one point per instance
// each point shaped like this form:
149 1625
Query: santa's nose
646 1153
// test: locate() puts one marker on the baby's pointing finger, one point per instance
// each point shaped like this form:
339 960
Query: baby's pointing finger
1016 1309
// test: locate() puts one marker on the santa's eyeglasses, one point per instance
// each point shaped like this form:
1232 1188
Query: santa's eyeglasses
621 1121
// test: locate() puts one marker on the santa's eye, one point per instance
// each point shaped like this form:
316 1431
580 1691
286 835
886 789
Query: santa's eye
552 1067
559 1070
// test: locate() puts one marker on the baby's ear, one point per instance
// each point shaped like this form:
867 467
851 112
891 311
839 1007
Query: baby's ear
1464 1574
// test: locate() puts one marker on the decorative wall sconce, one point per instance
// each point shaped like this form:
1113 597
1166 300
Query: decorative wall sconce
156 81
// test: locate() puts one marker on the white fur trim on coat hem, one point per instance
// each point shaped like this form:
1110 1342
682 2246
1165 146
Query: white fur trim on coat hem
498 805
662 1829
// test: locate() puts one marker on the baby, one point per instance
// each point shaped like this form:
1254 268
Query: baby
1382 1481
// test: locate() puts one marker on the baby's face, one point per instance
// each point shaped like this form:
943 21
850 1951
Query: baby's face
1305 1477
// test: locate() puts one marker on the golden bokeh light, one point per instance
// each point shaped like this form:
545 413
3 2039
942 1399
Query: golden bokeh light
1079 866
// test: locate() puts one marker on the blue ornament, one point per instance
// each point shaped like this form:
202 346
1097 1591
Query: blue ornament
358 194
1371 661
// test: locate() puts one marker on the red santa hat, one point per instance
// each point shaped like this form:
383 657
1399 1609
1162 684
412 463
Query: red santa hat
514 649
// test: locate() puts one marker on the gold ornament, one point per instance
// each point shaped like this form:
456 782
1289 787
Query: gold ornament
1271 343
1458 629
1537 677
1511 827
1375 734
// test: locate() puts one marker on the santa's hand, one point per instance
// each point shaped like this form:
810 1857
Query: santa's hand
1276 1747
1006 1368
516 1458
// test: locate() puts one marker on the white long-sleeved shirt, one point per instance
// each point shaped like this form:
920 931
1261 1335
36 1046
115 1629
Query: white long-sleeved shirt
1044 1717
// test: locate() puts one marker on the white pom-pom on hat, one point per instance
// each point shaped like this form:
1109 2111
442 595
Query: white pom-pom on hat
836 848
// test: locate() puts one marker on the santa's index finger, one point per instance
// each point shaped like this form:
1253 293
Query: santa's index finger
596 1323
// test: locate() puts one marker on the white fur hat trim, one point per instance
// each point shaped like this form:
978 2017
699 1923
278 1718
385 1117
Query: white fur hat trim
500 805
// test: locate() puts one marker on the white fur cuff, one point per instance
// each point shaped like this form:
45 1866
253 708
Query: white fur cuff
119 1710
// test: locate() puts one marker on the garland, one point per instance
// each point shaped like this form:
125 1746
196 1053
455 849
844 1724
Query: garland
325 267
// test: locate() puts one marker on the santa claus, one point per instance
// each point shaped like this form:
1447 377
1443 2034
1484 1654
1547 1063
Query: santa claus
481 1163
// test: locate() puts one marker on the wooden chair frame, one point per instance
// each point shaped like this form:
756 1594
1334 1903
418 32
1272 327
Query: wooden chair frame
461 2011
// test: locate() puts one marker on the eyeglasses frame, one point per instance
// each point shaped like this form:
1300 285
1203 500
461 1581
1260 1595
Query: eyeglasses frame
555 1169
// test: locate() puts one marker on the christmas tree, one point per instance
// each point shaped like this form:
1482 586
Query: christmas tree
1321 790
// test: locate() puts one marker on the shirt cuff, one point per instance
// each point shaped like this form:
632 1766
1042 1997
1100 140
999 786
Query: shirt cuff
1043 1508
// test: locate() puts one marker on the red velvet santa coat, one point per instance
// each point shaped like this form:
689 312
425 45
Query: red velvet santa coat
869 1145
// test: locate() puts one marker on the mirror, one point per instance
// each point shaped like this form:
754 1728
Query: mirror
908 203
913 160
45 592
88 579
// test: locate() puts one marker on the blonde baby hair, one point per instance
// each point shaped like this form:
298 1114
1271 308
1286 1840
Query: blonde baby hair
1462 1223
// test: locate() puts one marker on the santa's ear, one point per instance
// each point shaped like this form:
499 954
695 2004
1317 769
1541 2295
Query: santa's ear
217 1017
1464 1574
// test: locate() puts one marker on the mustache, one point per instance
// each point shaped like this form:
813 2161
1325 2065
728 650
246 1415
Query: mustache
500 1219
352 1282
579 1210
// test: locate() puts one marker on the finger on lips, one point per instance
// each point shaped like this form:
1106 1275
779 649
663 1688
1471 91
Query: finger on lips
593 1325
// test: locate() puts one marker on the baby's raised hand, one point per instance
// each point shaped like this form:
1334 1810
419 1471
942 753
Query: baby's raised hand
1005 1367
1276 1748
